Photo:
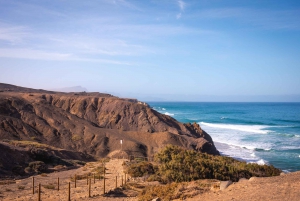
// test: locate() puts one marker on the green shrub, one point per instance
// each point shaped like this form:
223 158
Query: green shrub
178 165
140 169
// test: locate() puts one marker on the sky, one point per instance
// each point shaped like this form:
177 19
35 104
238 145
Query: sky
155 50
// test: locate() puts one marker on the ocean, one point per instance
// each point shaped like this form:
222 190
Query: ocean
263 133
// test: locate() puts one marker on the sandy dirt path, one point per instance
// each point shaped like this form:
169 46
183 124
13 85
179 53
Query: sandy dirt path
279 188
113 168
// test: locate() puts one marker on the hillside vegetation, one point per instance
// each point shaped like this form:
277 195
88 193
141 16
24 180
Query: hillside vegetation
176 164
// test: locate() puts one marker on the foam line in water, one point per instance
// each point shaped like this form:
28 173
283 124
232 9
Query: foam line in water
169 114
246 128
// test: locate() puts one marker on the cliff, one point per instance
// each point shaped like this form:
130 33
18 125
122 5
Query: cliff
93 123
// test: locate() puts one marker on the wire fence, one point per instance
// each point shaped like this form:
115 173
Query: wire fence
77 186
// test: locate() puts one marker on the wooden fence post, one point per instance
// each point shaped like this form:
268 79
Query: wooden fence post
94 178
75 178
104 186
32 185
122 180
90 188
39 193
58 183
116 181
125 178
69 192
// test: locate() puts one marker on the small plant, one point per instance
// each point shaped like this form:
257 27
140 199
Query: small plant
49 186
76 138
7 182
21 187
81 176
44 175
8 190
98 170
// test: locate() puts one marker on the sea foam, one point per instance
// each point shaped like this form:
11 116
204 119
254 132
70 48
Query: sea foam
169 114
245 128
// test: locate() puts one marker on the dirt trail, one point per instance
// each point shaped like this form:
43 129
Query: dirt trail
113 168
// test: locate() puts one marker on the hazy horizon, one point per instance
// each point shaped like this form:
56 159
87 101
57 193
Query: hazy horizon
169 50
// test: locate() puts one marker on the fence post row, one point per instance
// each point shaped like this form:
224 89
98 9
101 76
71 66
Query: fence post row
75 184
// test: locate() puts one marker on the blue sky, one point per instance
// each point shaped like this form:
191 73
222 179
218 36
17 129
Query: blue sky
179 50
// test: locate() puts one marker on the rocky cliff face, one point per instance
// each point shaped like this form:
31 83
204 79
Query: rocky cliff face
94 123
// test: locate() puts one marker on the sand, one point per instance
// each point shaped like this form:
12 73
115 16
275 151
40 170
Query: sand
279 188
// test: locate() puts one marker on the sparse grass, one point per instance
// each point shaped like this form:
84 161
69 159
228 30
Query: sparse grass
8 190
33 138
104 160
98 170
31 143
164 192
134 186
177 190
81 176
59 167
7 182
21 187
76 138
49 186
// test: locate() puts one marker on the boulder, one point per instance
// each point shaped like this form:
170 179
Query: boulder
225 184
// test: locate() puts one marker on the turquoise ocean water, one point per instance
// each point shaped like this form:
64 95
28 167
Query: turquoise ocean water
264 133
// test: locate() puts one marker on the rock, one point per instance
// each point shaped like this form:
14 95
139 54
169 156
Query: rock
225 184
282 174
243 179
156 199
253 179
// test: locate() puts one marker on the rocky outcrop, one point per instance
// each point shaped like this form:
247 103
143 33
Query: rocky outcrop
94 123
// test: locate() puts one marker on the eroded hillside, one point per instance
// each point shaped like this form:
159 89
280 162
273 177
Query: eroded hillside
93 123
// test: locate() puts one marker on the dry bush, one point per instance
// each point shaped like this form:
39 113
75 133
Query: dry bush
7 182
44 175
49 186
81 176
21 187
178 164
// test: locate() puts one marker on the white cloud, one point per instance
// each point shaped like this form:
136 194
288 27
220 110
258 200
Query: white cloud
25 53
181 5
13 34
178 16
123 3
